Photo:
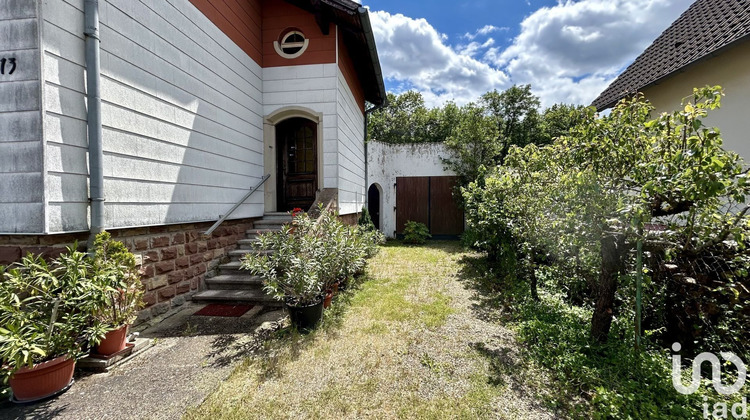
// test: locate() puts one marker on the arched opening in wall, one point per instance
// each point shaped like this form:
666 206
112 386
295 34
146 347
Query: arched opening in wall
373 204
296 163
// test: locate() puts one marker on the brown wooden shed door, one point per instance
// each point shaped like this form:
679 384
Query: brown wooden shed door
429 200
297 146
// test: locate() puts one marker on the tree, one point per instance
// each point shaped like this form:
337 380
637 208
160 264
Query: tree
473 143
587 197
557 120
406 119
515 111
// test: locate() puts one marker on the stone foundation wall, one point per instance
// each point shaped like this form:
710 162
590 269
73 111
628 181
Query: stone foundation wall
174 259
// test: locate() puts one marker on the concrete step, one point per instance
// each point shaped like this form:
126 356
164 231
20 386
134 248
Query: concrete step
253 233
239 253
234 282
246 243
278 216
270 224
256 297
232 268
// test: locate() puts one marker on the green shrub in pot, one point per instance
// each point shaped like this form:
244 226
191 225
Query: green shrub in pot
46 309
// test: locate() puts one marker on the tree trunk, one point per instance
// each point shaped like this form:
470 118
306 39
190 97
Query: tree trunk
613 262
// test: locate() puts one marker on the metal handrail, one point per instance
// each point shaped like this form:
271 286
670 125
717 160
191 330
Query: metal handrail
239 203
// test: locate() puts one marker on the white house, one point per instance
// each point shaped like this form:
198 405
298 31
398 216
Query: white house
199 100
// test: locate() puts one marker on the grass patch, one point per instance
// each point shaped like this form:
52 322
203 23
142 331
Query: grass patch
372 357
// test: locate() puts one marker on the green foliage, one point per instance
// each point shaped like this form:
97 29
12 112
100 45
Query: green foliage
119 282
364 221
310 255
515 112
612 176
406 119
473 144
46 309
416 233
559 119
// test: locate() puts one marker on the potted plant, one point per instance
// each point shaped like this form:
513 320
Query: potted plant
293 273
120 286
45 322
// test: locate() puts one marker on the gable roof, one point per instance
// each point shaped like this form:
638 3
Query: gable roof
358 37
706 28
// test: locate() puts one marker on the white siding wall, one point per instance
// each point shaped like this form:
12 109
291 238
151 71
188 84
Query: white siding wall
21 144
351 150
386 162
182 115
314 87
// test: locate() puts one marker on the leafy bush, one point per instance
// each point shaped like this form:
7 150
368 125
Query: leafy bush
46 310
310 255
584 201
119 282
416 233
365 221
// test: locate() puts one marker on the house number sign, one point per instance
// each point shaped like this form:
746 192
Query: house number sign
7 65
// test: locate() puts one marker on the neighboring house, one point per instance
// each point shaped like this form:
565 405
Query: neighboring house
199 99
410 182
709 44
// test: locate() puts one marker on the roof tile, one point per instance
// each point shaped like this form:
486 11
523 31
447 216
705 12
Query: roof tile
704 28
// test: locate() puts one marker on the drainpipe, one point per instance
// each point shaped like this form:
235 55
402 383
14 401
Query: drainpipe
94 117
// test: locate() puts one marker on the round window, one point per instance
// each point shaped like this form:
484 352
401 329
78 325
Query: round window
292 44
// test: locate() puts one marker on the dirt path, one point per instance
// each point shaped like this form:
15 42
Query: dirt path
413 342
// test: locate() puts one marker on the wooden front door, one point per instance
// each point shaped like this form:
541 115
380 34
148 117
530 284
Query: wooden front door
297 163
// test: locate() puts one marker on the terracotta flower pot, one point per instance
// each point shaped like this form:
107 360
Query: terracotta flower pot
113 342
327 300
43 379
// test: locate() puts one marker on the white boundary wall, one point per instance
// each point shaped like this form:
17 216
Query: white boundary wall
386 162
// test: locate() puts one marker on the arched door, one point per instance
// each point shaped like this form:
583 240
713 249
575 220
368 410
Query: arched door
297 163
373 205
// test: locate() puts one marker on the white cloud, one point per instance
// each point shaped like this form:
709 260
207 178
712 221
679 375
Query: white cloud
568 52
414 53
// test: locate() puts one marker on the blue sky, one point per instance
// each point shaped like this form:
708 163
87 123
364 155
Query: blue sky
568 50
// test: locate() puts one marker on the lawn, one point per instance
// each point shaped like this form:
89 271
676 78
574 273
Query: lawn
408 342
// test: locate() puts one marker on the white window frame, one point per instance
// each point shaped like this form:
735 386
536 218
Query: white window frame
278 46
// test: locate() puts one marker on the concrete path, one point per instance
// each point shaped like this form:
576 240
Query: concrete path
191 355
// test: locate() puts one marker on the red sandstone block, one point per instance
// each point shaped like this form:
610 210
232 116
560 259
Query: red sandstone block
202 246
213 244
223 242
178 238
182 262
192 236
151 257
149 298
208 256
196 259
128 232
164 267
167 292
140 244
191 248
183 288
168 253
177 276
200 270
158 229
159 241
147 270
9 254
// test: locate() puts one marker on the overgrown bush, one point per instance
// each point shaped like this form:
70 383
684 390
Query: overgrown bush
583 202
416 233
310 255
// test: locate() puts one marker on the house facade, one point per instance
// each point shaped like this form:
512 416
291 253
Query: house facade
709 44
200 100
